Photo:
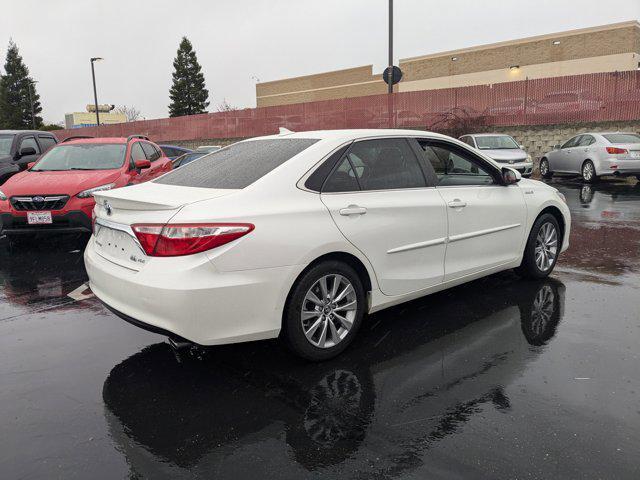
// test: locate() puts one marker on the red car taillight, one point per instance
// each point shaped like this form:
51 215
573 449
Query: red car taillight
616 150
173 240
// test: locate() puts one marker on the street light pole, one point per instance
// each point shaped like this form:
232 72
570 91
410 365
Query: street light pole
95 93
33 113
390 44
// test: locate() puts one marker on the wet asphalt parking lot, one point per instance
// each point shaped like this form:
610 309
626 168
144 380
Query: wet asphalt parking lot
499 378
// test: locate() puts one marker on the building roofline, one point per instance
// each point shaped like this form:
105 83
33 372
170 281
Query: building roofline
546 36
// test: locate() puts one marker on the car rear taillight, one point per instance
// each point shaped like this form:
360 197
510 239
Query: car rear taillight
173 240
93 220
616 150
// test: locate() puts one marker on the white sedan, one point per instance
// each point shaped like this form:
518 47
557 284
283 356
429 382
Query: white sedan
299 235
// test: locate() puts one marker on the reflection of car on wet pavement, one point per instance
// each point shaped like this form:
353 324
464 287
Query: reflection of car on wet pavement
424 382
351 226
593 155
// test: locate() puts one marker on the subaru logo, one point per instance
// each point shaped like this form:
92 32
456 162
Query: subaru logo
510 161
107 207
38 199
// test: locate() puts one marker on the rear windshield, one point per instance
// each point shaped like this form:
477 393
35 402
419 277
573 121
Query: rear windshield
87 156
5 144
237 165
622 138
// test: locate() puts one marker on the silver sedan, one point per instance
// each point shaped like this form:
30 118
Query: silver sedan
593 155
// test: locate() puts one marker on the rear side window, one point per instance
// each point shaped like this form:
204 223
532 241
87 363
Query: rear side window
237 165
384 164
622 138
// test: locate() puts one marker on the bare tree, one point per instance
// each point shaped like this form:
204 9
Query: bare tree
132 113
458 121
225 106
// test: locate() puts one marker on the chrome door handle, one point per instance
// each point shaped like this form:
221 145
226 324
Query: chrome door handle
457 203
353 210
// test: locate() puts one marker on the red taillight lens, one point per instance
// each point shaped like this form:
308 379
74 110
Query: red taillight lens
616 150
172 240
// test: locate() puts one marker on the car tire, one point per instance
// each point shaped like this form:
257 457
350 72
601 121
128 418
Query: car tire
545 172
540 253
588 172
318 327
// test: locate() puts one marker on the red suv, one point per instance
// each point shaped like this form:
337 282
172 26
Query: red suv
56 193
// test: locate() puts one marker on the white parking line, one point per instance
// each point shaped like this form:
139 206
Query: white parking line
83 292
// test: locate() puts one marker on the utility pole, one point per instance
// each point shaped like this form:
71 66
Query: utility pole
390 44
95 93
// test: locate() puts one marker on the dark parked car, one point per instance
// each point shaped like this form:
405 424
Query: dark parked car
173 151
182 160
18 148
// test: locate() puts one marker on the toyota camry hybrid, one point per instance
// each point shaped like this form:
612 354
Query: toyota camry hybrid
299 235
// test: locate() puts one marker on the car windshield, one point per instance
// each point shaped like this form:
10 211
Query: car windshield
5 144
496 142
237 165
622 138
94 156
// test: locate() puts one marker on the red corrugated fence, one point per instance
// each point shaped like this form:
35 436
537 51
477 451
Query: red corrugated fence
580 98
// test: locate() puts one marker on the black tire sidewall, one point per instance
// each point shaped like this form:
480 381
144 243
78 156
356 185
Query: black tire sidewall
528 267
593 176
292 332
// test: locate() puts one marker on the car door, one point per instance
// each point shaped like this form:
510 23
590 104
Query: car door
158 166
27 142
486 218
137 153
563 160
380 199
581 152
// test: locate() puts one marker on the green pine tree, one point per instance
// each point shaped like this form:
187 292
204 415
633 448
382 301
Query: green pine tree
15 98
188 93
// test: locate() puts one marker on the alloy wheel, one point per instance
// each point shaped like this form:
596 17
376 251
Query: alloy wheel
544 167
329 310
542 310
546 246
587 171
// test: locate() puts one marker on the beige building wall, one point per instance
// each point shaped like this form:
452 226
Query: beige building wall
606 48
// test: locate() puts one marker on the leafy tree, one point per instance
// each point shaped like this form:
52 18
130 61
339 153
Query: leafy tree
188 93
48 127
15 98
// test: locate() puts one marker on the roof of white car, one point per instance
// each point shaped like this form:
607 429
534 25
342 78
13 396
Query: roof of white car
357 133
486 135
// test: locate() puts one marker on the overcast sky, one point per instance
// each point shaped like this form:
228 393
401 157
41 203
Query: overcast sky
239 39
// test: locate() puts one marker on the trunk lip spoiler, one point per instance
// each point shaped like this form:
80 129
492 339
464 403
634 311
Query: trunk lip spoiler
122 227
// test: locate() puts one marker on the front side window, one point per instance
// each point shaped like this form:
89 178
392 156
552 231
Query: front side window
496 142
29 142
5 144
106 156
455 167
385 164
46 142
572 142
150 150
238 165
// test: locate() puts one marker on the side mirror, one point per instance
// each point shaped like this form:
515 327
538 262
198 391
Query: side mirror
510 176
557 147
27 151
142 163
30 164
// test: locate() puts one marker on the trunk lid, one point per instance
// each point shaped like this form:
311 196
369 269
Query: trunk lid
116 210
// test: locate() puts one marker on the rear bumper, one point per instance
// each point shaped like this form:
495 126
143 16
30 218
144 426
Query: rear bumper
70 222
618 166
187 297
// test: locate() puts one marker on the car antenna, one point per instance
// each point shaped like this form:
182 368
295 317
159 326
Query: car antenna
284 131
